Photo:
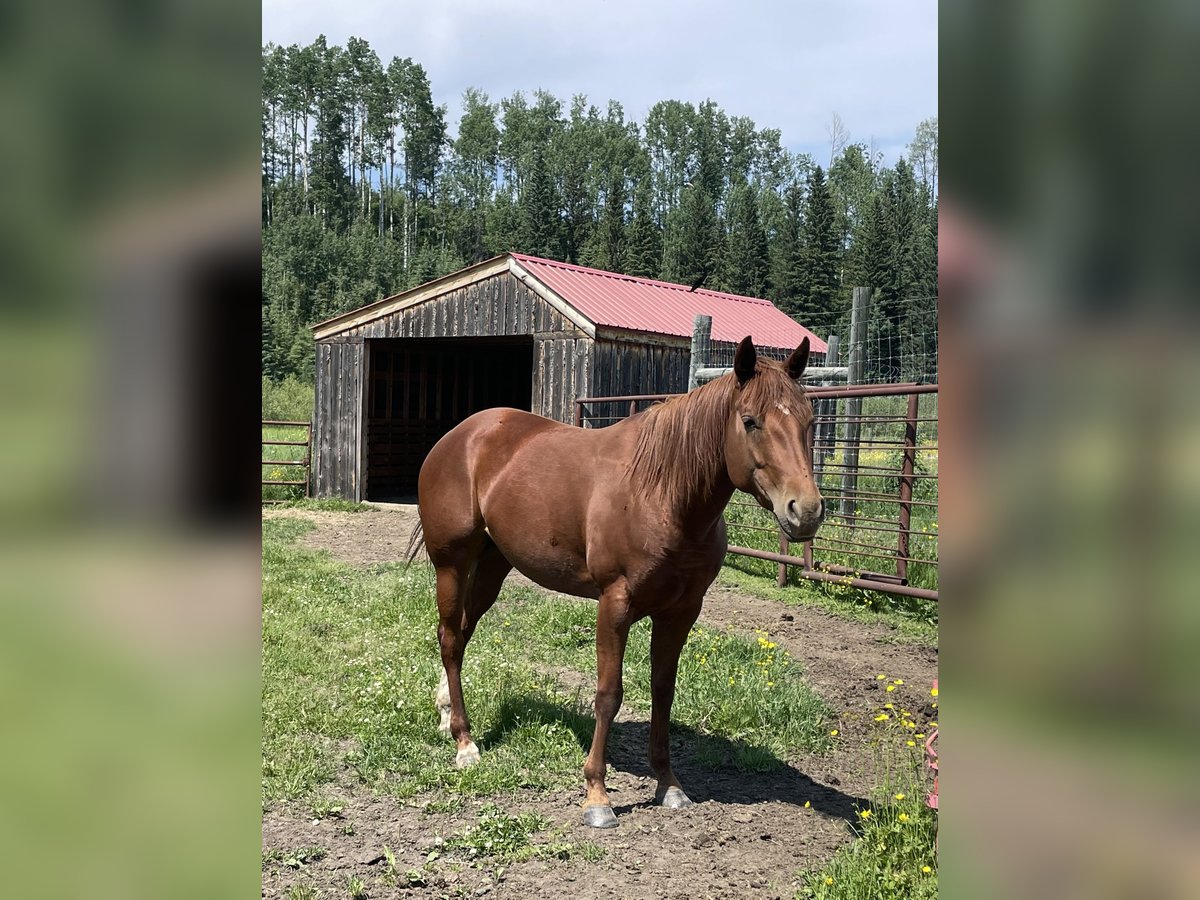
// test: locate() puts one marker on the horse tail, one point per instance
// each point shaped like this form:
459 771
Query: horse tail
414 544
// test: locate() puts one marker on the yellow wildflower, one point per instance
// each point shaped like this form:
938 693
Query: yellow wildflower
933 692
897 681
890 688
933 724
880 677
899 796
829 879
833 733
882 717
911 743
926 869
808 804
922 734
770 684
888 706
866 814
731 679
903 817
910 724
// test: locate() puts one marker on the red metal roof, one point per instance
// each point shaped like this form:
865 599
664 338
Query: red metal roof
639 304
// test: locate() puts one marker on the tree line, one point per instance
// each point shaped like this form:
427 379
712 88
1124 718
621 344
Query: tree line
364 194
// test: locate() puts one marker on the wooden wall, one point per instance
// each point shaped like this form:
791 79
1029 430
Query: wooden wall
338 433
623 367
494 306
562 369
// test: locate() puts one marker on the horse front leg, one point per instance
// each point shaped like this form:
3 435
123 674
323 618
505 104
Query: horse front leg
667 640
612 632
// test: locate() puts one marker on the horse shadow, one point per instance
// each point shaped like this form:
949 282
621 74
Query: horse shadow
711 767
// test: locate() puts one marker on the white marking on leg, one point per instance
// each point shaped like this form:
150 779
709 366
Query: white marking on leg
442 699
467 756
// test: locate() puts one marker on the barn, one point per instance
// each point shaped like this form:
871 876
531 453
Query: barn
519 331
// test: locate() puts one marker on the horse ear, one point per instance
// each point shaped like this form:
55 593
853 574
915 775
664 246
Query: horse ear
797 362
744 360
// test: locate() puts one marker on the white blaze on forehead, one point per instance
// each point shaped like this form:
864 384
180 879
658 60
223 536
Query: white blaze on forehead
784 409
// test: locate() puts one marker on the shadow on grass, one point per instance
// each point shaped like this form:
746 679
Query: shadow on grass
711 767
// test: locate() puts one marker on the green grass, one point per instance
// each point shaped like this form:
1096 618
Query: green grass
283 453
744 690
894 857
295 857
908 627
350 663
506 838
328 504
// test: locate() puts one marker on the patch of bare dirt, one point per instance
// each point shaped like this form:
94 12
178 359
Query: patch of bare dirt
748 834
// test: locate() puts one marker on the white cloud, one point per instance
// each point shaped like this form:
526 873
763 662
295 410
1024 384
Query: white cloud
786 66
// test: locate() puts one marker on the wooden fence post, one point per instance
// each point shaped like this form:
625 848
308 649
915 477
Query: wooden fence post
850 434
701 344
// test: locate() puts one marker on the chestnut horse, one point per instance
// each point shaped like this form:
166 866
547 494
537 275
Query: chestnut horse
630 515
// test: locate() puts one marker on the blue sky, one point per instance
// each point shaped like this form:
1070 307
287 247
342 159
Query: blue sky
785 65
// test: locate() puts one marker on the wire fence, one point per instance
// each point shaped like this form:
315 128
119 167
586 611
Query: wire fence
900 343
875 457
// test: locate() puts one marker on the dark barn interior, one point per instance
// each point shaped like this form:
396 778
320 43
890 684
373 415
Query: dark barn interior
421 388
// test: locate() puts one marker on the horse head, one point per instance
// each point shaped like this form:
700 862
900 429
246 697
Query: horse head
768 446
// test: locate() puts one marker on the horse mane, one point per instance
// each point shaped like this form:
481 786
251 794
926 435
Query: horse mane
680 448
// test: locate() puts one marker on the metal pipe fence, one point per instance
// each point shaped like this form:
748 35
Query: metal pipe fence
289 463
875 459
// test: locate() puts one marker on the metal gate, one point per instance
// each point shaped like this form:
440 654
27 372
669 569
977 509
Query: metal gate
875 458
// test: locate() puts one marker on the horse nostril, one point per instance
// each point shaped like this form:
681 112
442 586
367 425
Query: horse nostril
791 511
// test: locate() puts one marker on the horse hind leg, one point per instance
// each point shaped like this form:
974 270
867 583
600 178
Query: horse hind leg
463 598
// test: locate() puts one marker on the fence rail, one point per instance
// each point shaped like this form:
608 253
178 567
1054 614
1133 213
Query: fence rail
305 464
878 478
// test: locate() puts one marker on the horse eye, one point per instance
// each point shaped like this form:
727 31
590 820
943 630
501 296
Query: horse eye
749 422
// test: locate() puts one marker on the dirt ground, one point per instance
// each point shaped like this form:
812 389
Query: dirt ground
748 834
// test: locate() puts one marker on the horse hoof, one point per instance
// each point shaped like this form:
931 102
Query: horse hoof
599 817
674 798
467 756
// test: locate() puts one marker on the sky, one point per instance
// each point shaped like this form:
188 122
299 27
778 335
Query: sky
789 66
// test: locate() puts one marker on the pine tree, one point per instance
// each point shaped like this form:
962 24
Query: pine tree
643 248
821 258
538 233
745 251
691 250
787 254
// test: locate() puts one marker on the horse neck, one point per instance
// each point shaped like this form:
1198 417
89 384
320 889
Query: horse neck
709 490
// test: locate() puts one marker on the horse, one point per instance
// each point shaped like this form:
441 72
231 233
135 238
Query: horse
630 515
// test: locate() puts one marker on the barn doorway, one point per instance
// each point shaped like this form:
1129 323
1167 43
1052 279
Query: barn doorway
419 389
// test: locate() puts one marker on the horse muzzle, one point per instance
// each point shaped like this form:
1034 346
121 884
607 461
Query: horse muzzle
799 519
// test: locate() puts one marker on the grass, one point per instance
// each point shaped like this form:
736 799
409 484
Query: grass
295 857
350 664
895 856
281 454
508 838
907 627
327 504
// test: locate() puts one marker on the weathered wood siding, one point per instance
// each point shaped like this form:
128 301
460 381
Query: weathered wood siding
562 369
338 434
621 368
495 306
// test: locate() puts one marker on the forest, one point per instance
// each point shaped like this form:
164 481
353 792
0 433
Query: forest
365 192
